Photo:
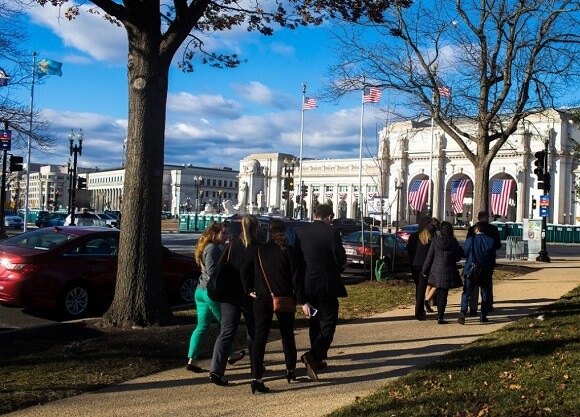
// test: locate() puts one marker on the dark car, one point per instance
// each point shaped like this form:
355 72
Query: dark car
347 226
51 219
235 227
357 254
40 217
72 270
406 231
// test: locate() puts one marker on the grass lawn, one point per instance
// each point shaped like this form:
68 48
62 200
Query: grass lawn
538 361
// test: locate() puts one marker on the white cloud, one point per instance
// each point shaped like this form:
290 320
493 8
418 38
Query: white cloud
214 105
256 92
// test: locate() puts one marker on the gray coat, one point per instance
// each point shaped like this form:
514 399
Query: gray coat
441 264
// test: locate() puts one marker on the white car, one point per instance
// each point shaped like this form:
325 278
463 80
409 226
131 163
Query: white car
86 219
13 222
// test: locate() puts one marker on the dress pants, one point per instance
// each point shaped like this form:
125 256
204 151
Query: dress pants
322 325
441 295
263 314
207 309
420 289
224 344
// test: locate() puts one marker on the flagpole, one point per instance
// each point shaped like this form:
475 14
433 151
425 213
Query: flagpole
300 157
360 152
430 194
28 145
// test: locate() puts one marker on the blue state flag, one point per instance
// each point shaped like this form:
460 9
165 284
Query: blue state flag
4 78
49 67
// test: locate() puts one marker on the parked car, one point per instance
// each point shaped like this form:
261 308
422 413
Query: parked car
357 254
13 222
91 218
72 270
347 226
52 219
235 227
40 217
406 231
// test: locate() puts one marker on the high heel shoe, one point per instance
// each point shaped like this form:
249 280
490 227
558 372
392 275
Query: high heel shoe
290 375
238 356
259 386
428 306
217 379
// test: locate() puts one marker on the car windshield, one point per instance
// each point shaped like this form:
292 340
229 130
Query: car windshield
104 216
41 239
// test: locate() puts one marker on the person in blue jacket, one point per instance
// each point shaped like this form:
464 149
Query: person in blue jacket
481 249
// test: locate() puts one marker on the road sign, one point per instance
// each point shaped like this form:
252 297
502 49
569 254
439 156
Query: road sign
5 140
544 206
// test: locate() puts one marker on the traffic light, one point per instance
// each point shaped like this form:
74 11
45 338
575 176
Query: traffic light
304 191
286 183
298 199
285 194
291 183
56 196
81 183
547 182
534 203
540 164
16 163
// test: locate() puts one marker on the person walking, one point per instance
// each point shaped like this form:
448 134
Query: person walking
489 230
275 266
207 255
480 248
320 247
235 303
440 267
417 248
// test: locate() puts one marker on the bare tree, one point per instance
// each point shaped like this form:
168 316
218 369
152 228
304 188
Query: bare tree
489 63
155 31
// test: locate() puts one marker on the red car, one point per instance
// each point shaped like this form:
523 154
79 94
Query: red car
72 270
406 231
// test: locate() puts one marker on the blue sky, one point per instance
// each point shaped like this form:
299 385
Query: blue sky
215 117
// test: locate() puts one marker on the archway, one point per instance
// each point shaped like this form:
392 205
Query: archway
503 198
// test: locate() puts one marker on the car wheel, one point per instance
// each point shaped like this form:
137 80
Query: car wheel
76 300
187 289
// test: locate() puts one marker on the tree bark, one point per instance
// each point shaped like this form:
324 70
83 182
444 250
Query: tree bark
140 296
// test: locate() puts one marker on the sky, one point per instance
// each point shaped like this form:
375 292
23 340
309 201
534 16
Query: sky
215 117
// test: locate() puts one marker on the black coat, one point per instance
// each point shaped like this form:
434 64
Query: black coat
239 256
282 268
320 246
441 263
417 251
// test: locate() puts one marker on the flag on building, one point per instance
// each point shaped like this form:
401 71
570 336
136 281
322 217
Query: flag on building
49 67
500 195
372 95
4 78
418 194
310 103
458 189
444 91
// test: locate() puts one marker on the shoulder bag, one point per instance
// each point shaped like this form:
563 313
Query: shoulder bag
219 285
477 273
280 304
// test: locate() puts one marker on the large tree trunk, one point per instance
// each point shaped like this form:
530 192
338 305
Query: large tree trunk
140 296
480 188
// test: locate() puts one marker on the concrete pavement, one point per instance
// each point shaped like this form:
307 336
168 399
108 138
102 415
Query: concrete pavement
365 354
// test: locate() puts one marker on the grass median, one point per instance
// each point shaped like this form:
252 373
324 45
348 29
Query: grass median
45 364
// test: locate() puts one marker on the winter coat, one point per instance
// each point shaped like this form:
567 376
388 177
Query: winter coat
441 264
417 251
483 250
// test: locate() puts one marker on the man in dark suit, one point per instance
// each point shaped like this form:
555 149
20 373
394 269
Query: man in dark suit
324 257
489 230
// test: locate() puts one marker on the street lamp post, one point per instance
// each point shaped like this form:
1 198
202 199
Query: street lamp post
75 152
289 166
197 181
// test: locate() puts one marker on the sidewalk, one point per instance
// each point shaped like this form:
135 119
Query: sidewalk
365 354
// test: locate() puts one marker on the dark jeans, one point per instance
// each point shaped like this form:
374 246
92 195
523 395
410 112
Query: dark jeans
322 325
441 296
231 314
420 288
470 287
263 313
474 298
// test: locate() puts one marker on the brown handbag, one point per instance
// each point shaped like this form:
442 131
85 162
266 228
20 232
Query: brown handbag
281 304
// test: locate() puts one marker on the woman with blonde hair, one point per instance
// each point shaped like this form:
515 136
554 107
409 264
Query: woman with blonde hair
417 248
207 254
235 302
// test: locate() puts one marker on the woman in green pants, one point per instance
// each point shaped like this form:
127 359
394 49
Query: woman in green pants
207 255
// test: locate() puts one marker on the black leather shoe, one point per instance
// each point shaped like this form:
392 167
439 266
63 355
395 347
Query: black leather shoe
441 321
428 308
260 387
421 317
473 313
217 379
238 356
461 319
311 366
194 368
483 319
290 375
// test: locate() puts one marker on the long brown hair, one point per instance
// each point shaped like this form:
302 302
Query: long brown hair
249 229
277 229
208 236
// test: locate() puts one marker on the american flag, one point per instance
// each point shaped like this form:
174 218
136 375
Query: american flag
458 189
371 95
444 91
500 195
309 103
418 194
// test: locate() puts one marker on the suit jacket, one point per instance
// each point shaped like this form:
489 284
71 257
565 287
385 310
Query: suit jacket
320 246
417 251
